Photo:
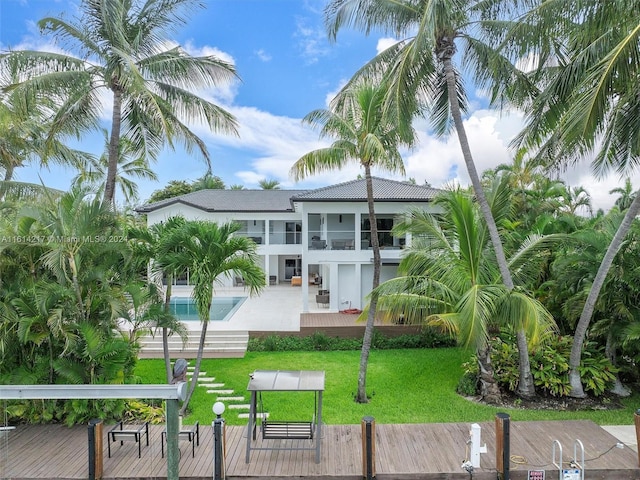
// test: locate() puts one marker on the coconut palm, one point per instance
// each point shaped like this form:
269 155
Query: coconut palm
363 135
450 279
626 195
93 172
211 253
420 68
24 139
588 109
123 50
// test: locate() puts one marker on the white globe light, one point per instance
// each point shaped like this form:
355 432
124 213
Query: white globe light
218 408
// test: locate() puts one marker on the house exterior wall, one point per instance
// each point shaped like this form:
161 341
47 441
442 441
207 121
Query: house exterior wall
344 265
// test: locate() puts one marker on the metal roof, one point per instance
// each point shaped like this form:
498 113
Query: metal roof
286 380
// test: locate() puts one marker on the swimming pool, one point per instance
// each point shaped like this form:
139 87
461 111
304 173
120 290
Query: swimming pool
222 308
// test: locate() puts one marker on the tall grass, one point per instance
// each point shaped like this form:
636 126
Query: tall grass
405 386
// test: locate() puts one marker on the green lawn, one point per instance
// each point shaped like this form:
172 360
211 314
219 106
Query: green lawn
406 386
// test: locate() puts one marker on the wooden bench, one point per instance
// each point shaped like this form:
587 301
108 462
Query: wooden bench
133 432
287 430
192 434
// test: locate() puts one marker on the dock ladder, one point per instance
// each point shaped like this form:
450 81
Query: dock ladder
576 470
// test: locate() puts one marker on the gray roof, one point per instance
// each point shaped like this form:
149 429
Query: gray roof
384 190
231 201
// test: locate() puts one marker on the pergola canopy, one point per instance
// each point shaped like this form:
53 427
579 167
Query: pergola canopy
286 380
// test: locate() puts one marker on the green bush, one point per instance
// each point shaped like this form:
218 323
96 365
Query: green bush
549 367
428 338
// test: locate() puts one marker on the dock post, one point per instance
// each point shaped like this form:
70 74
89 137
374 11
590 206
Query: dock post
502 445
368 448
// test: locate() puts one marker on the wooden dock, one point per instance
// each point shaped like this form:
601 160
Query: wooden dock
402 452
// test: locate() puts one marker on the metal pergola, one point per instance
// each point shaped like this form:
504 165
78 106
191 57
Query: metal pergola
285 381
170 393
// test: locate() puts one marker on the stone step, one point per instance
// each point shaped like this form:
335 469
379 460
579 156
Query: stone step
206 379
230 399
220 391
239 406
211 385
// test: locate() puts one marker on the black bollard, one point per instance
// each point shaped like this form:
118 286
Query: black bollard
368 448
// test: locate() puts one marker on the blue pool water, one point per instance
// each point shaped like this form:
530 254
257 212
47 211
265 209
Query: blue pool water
222 308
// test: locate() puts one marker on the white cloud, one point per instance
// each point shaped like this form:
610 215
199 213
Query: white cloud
263 55
312 41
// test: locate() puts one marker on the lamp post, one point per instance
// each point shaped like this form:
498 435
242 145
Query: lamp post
218 442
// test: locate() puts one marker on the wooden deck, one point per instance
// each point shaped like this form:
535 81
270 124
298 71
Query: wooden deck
403 452
340 325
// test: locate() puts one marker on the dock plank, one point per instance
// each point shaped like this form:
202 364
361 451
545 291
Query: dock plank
403 452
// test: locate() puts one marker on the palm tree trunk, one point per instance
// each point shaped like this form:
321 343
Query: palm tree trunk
589 305
114 146
526 386
196 370
489 389
361 396
610 351
165 333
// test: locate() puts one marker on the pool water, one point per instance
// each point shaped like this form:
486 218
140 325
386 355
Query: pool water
222 308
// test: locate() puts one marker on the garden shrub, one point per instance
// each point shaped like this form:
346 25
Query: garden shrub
549 367
428 338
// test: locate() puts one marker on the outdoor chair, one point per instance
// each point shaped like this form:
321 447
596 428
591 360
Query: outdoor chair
190 433
322 300
131 432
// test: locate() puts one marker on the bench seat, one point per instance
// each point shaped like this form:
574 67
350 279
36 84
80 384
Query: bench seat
287 430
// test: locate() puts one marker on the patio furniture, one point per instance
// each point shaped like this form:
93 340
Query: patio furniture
296 281
322 300
318 244
238 282
130 433
190 433
273 280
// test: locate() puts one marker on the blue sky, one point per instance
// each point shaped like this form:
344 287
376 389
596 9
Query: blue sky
287 68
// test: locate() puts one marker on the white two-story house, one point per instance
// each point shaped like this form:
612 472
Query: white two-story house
316 239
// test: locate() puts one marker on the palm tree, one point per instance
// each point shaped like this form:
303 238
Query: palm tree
627 195
24 138
269 184
451 281
210 251
123 48
148 244
420 69
588 109
93 172
364 135
208 181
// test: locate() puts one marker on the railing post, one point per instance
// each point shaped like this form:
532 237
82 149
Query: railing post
95 449
368 448
636 418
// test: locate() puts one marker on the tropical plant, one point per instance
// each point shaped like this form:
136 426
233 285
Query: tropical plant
587 108
210 252
422 78
174 188
450 279
626 195
269 184
361 134
123 49
145 243
93 171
